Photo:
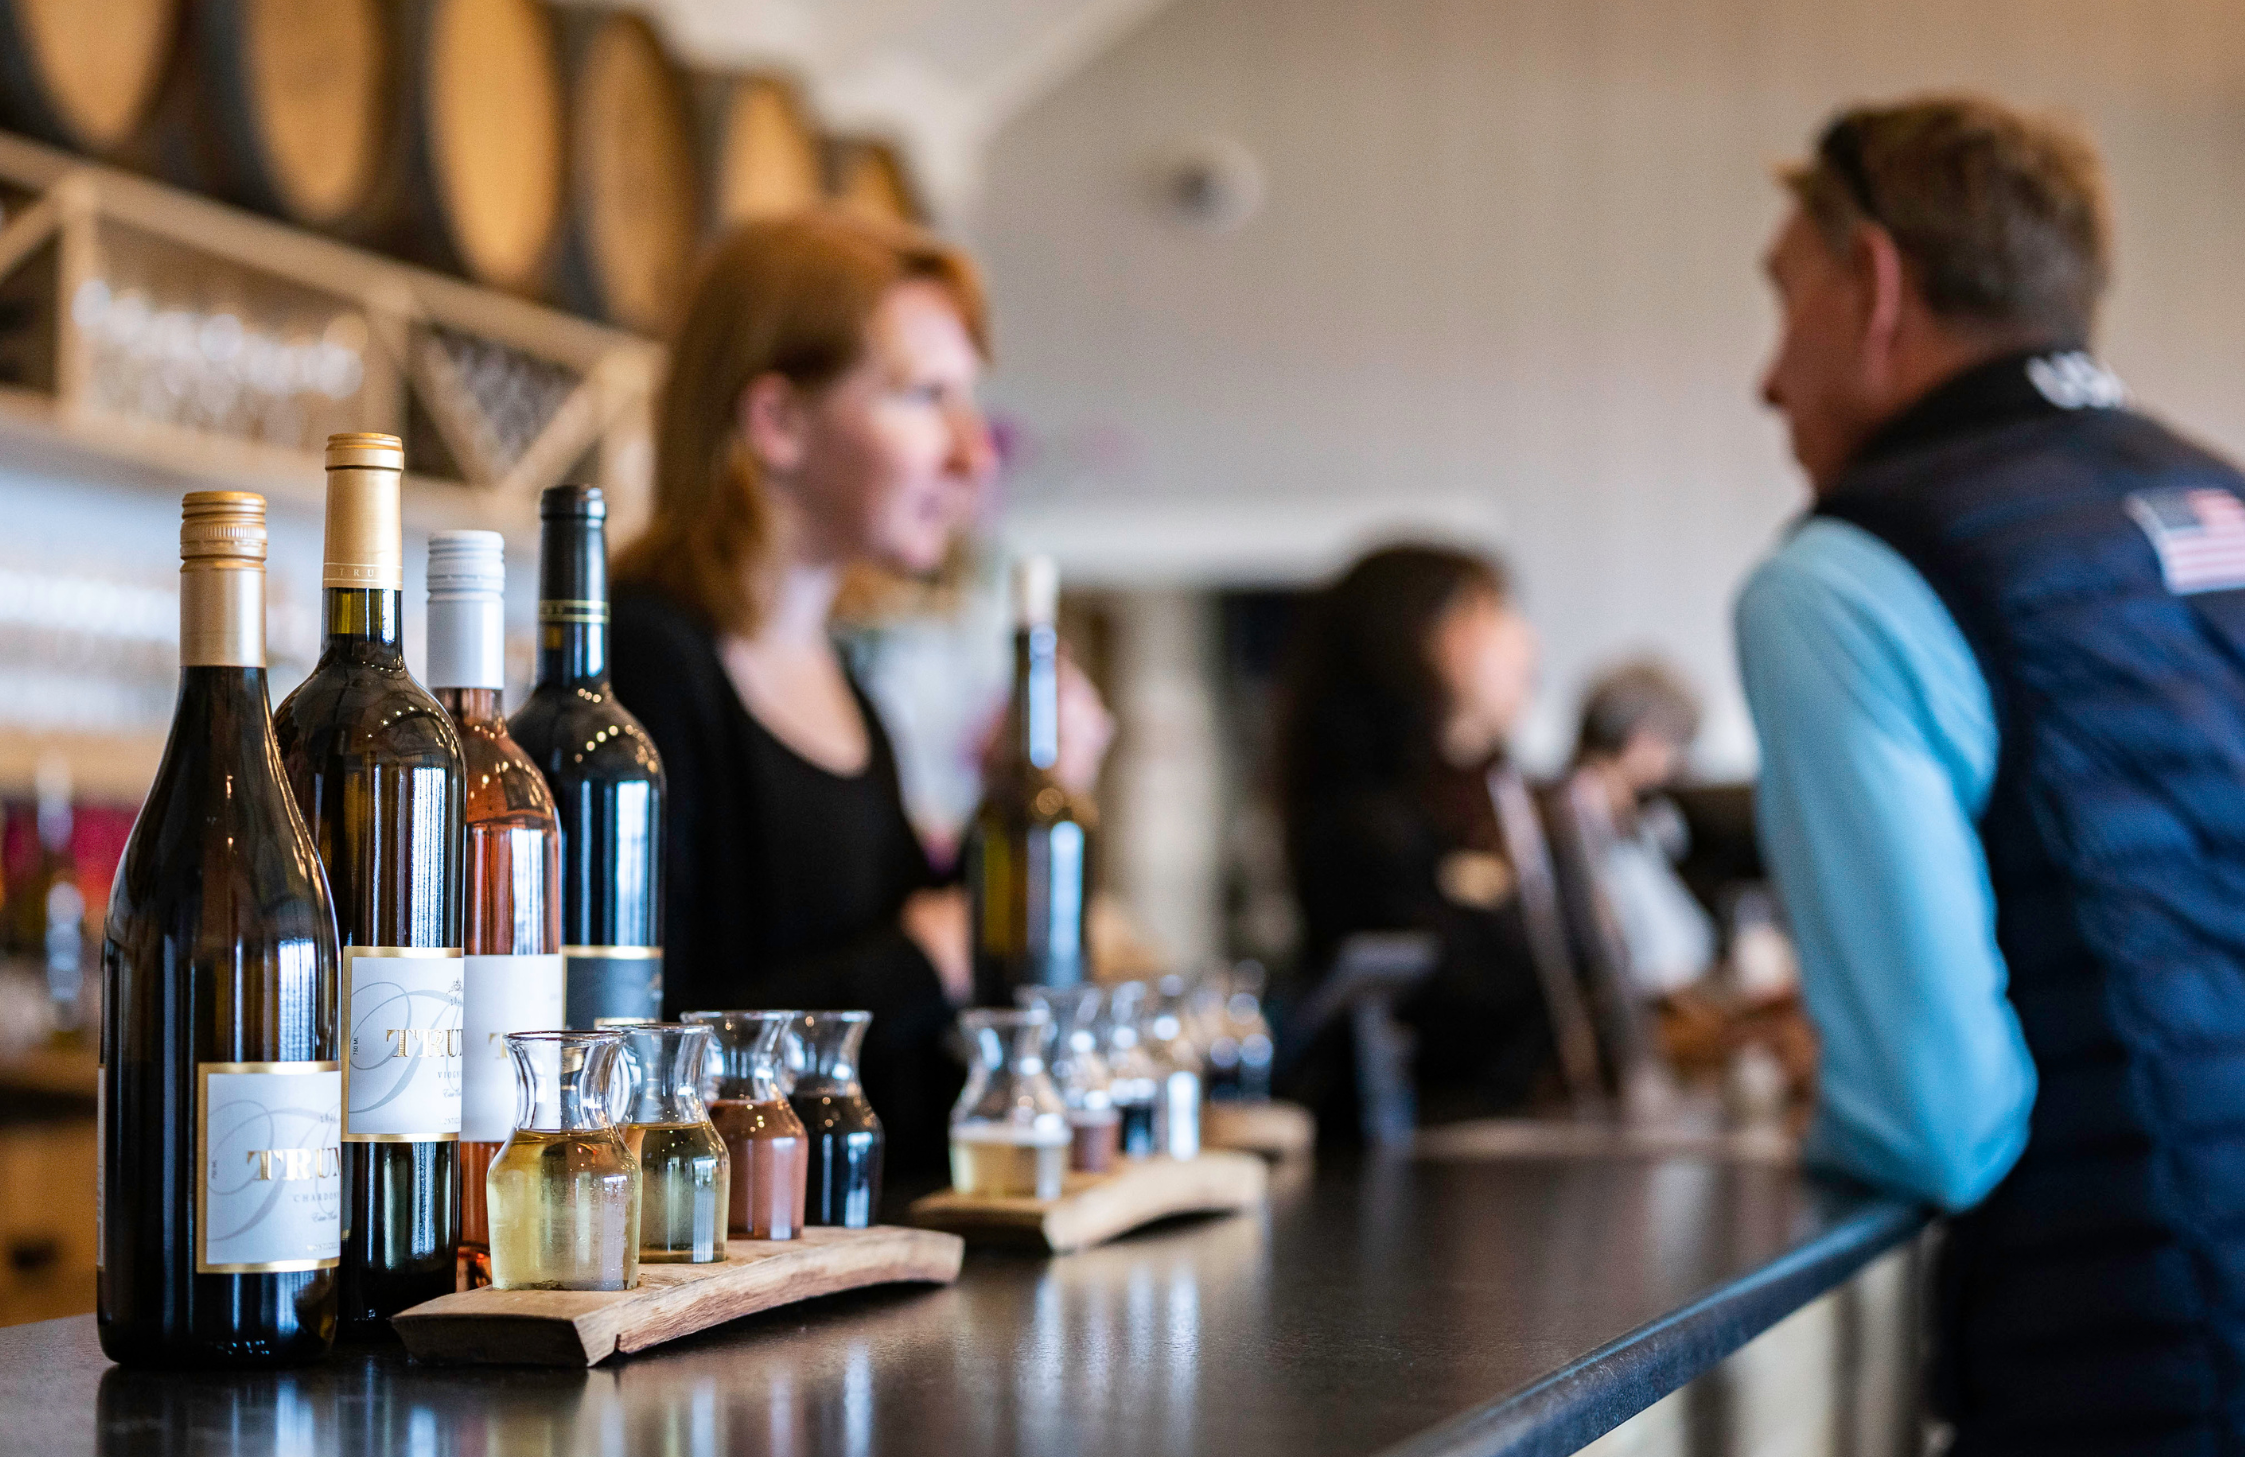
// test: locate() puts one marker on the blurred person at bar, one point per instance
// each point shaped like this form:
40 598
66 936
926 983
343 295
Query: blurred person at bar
820 417
1999 676
1405 682
1638 723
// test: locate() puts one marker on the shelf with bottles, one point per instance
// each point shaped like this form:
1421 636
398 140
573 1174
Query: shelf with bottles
152 338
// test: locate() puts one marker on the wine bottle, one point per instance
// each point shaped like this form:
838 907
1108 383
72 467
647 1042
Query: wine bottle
1028 850
219 1188
606 777
511 927
375 765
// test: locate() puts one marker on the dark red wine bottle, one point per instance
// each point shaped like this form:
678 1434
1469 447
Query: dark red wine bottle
606 777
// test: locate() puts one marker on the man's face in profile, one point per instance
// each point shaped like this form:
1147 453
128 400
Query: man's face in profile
1817 379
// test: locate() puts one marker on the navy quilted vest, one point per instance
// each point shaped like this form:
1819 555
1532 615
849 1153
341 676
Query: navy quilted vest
2095 1302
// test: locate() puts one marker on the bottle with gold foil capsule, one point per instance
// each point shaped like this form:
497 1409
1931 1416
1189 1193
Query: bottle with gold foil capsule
375 765
511 912
606 777
219 1193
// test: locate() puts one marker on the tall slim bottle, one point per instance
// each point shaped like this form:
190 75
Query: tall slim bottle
219 1202
511 927
606 777
1028 850
375 765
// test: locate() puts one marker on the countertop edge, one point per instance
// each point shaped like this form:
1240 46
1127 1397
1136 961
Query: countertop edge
1589 1397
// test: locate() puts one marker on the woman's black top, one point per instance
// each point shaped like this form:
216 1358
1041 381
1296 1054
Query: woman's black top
783 880
1368 856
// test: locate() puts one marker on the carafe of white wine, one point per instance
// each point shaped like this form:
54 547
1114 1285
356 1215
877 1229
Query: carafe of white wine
564 1191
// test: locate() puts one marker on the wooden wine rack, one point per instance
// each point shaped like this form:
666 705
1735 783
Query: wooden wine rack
496 398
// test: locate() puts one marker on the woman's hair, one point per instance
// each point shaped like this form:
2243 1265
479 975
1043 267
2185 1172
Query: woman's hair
789 296
1645 696
1362 702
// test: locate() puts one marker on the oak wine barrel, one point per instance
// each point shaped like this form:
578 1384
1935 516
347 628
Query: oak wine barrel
83 75
279 105
870 180
476 185
634 203
761 151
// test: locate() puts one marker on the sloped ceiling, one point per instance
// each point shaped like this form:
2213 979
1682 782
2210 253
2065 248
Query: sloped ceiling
940 76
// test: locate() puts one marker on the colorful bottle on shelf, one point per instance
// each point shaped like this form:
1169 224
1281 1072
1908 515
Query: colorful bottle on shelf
375 765
606 778
511 973
1028 854
219 1192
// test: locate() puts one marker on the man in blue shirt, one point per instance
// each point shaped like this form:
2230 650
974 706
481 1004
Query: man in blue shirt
1999 677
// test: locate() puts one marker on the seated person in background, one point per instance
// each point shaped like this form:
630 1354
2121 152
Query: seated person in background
1638 722
1406 679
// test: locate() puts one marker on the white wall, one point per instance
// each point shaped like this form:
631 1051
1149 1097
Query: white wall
1504 281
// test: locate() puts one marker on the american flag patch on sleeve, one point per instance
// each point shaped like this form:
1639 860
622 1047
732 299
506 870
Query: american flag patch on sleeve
2199 533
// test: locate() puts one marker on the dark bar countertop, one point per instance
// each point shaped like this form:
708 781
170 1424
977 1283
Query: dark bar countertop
1517 1305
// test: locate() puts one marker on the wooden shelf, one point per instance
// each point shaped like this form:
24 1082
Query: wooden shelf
480 442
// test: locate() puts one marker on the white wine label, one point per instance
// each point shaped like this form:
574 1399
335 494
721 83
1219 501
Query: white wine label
401 1077
614 984
504 994
268 1167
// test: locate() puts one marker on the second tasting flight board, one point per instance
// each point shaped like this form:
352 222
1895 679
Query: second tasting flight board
1095 1208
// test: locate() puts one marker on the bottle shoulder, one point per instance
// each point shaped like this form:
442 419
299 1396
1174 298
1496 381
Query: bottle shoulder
502 782
570 730
359 709
221 844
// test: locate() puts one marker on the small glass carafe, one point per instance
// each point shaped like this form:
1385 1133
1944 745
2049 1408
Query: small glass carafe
1094 1124
846 1142
684 1172
1009 1129
1239 1039
1134 1078
564 1189
744 1082
1169 1042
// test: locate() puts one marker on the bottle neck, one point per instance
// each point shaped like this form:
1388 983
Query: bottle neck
364 623
572 602
472 706
571 652
1036 695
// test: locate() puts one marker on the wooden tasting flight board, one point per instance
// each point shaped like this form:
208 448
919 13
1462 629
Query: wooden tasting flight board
1094 1208
585 1327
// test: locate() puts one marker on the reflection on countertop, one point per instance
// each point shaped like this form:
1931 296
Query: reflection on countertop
1369 1303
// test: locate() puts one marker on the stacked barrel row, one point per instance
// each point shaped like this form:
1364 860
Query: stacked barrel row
551 151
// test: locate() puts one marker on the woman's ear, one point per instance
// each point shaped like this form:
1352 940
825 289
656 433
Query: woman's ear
774 424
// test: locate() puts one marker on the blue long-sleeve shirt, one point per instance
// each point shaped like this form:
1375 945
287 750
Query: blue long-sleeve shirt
1879 747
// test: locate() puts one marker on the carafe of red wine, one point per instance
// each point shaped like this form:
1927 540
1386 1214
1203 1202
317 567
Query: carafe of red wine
846 1140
